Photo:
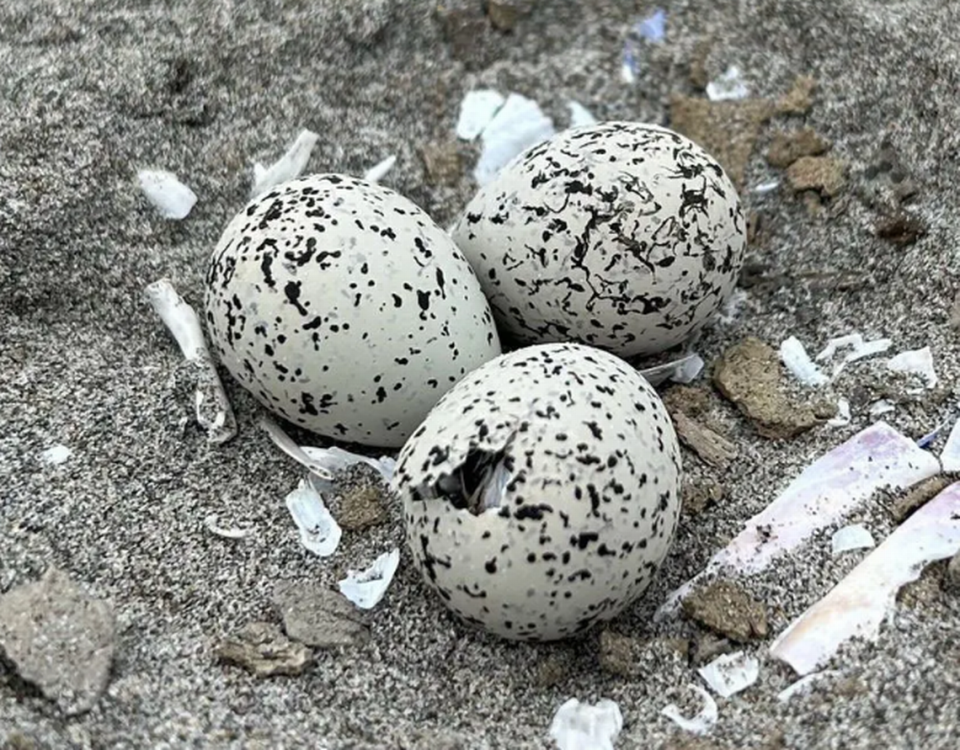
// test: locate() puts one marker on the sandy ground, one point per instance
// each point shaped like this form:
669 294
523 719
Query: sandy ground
90 91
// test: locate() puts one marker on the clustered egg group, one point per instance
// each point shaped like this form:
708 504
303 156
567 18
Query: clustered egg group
539 486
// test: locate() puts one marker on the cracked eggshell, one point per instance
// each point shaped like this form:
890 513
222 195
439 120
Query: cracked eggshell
624 236
590 467
345 309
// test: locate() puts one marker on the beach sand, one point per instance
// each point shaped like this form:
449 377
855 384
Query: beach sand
91 92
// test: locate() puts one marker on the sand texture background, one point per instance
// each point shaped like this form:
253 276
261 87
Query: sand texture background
90 91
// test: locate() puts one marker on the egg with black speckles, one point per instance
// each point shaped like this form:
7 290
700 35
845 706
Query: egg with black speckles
541 494
345 309
624 236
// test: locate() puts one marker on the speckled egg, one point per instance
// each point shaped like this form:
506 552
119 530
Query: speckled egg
541 494
624 236
345 309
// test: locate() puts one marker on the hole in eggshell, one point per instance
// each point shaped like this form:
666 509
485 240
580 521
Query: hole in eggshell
479 483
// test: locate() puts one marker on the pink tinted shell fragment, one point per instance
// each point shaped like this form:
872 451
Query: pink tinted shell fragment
825 492
859 604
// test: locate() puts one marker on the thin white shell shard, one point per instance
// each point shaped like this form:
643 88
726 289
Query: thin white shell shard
802 686
843 414
798 362
319 531
476 111
728 85
287 167
379 170
227 532
829 489
55 455
582 726
703 722
334 459
916 362
169 196
858 605
285 443
950 458
366 588
184 325
518 125
730 674
881 407
580 115
849 538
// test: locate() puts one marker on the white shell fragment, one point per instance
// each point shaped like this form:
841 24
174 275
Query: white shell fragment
285 443
213 410
319 531
682 370
231 532
688 369
843 414
796 360
859 349
379 170
582 726
881 407
830 488
324 463
476 111
803 685
728 85
917 362
366 588
849 538
653 28
55 455
287 167
950 458
766 187
858 605
334 459
171 197
730 674
580 115
701 723
517 125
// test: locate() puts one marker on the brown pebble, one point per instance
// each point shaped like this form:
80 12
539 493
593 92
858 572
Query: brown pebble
918 495
708 647
699 77
360 507
799 99
442 163
819 173
749 374
698 496
901 229
552 670
504 14
713 448
618 654
786 148
725 608
728 129
263 650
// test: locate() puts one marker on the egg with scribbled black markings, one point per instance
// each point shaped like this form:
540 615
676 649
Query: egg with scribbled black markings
344 308
541 494
625 236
